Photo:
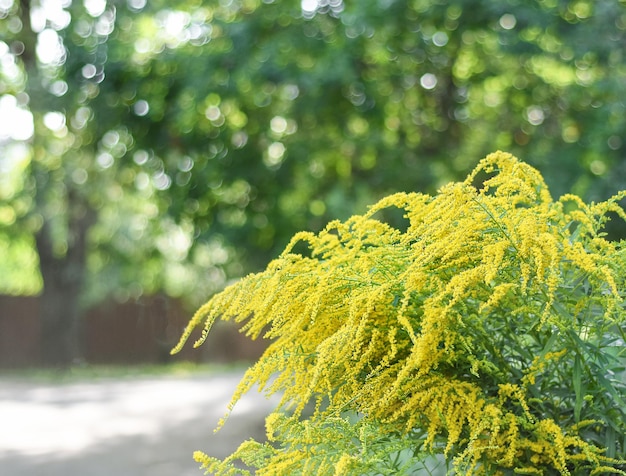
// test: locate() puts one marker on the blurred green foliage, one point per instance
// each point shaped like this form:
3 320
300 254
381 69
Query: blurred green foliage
197 137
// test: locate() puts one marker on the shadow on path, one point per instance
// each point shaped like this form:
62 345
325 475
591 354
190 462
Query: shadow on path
148 426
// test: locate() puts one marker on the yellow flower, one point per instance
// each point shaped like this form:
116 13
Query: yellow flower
455 335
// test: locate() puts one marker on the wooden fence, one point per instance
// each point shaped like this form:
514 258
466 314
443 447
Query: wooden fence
133 332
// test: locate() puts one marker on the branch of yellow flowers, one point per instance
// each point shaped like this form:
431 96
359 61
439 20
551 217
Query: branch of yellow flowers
487 333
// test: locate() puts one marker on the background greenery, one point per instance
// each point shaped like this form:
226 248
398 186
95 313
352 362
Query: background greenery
177 145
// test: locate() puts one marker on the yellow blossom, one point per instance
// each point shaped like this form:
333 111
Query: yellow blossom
479 333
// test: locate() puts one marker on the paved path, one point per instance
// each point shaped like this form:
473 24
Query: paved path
140 427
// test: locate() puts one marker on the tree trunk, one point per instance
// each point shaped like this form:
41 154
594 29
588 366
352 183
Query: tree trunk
62 239
63 278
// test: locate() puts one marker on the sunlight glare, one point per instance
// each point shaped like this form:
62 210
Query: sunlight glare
6 5
54 11
15 123
95 8
309 7
54 120
50 48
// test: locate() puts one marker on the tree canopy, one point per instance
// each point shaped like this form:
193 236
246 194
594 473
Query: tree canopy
172 146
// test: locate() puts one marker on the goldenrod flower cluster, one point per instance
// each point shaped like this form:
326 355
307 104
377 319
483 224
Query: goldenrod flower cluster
490 331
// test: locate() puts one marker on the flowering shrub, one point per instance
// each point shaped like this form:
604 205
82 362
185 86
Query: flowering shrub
490 332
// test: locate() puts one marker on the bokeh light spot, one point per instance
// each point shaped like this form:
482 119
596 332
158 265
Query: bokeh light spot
508 21
428 81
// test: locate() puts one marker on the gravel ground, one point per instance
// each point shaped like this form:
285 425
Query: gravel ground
138 427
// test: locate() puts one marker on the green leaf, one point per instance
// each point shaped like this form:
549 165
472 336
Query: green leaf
577 381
